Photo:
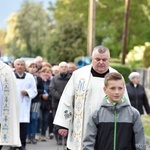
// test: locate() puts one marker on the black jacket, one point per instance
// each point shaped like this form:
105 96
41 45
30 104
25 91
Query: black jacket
138 97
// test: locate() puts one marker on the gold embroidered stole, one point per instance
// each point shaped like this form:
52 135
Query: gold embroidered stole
4 77
80 95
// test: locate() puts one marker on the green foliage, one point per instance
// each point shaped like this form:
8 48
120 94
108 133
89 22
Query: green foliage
115 60
146 124
32 26
2 34
110 22
14 49
67 42
61 33
135 56
136 64
109 25
68 39
123 69
146 56
138 28
146 9
70 10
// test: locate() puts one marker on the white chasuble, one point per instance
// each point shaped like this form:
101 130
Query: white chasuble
81 97
9 130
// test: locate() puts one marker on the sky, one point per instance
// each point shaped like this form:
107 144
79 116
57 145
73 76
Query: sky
11 6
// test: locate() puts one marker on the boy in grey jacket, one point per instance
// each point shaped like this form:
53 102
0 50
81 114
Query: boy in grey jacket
116 125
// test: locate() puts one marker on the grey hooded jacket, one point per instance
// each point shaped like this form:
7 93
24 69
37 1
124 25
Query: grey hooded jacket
115 127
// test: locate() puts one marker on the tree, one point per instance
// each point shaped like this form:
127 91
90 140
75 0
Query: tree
31 26
135 56
68 39
62 34
66 42
109 25
2 43
70 9
109 21
139 31
146 9
12 36
2 38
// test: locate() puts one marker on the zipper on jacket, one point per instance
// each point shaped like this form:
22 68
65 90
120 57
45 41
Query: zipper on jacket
115 127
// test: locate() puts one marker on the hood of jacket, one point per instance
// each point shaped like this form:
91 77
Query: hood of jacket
110 106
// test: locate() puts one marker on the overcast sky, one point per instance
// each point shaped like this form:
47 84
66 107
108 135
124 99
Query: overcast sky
10 6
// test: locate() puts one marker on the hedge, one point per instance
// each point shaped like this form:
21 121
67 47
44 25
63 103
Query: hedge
123 69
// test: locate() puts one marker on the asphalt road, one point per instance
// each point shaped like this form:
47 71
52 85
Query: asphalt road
48 145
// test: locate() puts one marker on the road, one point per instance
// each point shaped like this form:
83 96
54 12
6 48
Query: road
48 145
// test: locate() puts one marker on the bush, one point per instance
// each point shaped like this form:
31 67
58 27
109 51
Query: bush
123 69
146 123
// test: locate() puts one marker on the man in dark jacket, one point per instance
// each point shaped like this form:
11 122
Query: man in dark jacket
57 86
137 94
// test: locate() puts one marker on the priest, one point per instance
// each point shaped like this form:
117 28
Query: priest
81 97
9 108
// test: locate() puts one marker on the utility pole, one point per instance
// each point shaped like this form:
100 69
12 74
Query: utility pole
91 28
125 31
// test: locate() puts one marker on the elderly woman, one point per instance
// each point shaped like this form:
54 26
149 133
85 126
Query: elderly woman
137 94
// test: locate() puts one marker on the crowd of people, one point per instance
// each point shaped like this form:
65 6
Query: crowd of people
36 106
69 103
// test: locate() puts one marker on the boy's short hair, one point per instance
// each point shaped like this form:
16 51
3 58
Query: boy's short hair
112 76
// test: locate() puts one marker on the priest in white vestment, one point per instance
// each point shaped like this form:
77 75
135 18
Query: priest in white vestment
9 108
81 97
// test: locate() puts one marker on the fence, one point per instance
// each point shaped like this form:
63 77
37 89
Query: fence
145 79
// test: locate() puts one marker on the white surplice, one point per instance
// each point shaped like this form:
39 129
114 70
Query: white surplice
29 85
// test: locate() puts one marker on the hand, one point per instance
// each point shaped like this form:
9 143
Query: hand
63 132
45 96
24 93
